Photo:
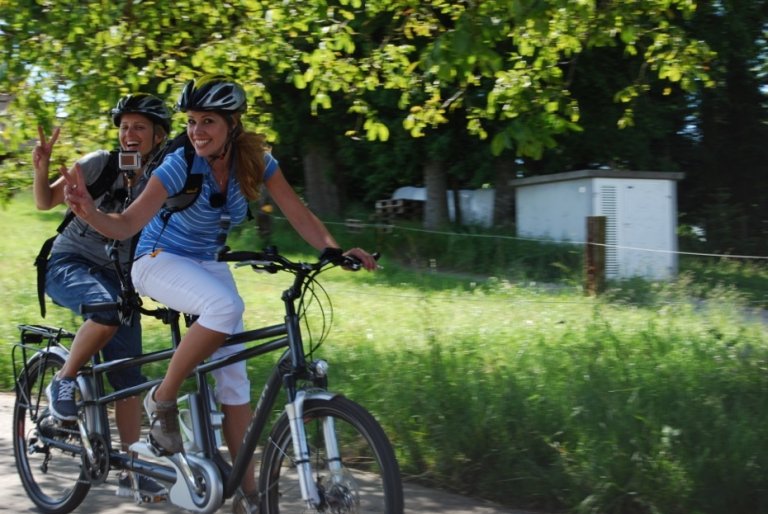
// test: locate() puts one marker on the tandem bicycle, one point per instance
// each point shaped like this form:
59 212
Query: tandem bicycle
324 453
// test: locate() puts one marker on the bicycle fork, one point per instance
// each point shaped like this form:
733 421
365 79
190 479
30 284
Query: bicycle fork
295 412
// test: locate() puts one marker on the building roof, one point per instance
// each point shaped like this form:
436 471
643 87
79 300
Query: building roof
5 99
581 174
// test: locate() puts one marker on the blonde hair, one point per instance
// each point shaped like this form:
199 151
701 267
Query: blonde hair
159 129
249 162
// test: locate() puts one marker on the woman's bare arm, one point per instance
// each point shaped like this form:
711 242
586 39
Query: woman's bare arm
113 225
304 221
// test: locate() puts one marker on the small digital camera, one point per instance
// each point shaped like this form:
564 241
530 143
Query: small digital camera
129 161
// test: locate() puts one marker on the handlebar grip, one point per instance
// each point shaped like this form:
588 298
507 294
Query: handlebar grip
86 308
354 264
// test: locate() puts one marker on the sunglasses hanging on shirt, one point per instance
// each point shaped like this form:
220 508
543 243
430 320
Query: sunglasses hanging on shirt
218 200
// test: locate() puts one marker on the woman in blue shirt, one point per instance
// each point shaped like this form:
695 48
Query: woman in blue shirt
175 258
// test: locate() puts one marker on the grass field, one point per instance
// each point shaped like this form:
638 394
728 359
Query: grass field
643 400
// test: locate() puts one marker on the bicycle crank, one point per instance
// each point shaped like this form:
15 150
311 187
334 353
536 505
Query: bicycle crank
95 459
198 486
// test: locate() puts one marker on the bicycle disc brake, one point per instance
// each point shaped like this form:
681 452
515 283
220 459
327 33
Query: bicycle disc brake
341 495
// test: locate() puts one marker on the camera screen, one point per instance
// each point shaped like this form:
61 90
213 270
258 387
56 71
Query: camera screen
129 161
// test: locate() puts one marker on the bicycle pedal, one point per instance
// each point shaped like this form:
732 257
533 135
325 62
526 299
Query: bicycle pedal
146 449
140 499
156 449
157 498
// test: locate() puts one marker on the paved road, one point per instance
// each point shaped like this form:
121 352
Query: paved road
102 499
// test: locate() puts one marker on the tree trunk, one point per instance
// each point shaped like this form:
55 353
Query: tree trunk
436 208
321 192
504 197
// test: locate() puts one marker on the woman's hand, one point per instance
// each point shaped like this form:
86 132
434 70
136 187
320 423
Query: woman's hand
41 154
364 257
76 193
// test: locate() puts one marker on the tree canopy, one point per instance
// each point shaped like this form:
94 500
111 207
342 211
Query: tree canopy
522 79
503 62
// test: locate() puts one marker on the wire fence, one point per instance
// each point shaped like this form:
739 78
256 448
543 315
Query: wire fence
392 227
757 298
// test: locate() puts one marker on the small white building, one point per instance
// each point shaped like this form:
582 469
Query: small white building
476 204
640 210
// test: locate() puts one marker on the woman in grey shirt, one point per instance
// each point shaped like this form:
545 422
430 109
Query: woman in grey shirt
78 271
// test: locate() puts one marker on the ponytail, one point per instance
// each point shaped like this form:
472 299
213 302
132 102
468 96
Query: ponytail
249 161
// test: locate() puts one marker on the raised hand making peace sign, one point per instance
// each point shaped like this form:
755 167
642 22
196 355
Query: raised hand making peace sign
47 194
41 154
76 193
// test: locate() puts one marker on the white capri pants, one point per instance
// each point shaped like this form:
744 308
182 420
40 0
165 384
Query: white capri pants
206 289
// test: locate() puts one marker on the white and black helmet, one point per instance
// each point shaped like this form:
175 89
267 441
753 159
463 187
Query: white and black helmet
212 93
143 103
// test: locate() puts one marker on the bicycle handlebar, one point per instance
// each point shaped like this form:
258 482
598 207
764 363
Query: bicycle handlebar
268 260
271 261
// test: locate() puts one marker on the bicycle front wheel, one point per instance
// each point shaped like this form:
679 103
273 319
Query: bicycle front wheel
47 451
365 479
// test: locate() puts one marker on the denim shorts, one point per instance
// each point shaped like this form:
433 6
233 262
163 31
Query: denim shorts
72 280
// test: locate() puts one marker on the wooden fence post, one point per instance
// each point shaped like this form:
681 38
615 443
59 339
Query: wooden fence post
594 255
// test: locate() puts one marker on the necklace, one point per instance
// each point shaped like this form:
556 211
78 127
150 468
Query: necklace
221 182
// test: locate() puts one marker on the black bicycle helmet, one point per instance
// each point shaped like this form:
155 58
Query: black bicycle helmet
212 93
146 104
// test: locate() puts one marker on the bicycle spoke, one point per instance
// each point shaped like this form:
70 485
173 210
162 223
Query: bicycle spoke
47 451
367 480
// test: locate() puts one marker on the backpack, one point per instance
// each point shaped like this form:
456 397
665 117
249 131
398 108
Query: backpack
194 183
178 202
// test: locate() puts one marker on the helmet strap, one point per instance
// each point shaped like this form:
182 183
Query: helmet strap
234 132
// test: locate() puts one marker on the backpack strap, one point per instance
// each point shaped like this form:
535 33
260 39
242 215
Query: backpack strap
41 262
100 186
107 176
192 186
187 196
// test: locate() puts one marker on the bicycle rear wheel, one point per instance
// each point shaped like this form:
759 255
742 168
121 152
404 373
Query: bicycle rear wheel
369 478
47 451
